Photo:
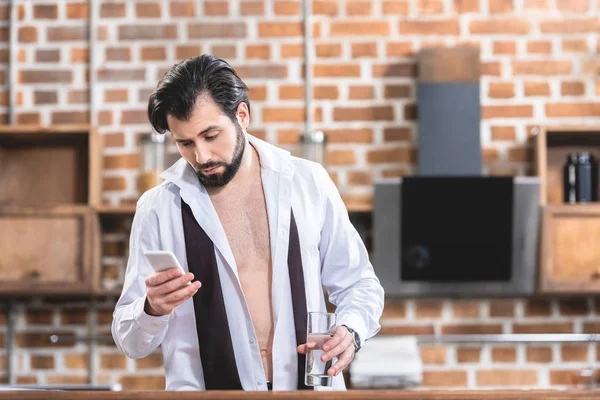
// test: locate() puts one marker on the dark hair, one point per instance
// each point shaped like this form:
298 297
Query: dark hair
178 90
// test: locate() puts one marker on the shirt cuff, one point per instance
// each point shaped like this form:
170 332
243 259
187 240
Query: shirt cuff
148 323
356 323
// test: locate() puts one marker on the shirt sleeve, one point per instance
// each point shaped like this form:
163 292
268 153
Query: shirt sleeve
136 333
347 274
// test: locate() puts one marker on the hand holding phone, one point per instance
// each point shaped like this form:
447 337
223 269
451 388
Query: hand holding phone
169 285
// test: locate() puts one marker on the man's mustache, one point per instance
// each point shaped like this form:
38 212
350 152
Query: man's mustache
209 165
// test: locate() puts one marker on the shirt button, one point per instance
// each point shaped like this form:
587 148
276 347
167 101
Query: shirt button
251 341
259 383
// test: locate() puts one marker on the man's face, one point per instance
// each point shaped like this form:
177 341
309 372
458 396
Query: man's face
210 142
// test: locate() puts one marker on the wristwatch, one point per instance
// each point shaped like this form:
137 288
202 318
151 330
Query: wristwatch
356 338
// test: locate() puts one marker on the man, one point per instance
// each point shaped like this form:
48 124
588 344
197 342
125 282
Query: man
260 232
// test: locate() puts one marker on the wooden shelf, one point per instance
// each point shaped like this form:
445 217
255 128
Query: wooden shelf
128 209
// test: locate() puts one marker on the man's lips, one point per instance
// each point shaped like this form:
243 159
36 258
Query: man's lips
210 171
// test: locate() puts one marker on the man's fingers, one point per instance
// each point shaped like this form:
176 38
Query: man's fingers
340 333
303 348
173 284
182 294
343 361
158 278
339 349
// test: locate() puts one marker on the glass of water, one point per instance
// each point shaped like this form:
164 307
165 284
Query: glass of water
320 328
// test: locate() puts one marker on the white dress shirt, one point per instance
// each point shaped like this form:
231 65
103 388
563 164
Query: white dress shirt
333 257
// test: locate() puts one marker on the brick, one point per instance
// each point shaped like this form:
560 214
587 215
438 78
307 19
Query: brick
45 11
575 46
428 309
113 361
466 6
291 92
112 10
441 27
504 355
114 184
539 354
471 329
359 28
393 7
77 11
278 114
27 34
520 154
573 6
78 97
257 93
45 97
258 51
359 8
288 136
118 54
136 382
504 133
158 53
325 7
574 353
42 362
433 355
121 74
328 50
153 360
287 7
248 8
74 316
410 112
208 30
116 95
70 117
27 380
147 10
28 118
360 92
67 379
341 157
393 155
429 7
563 25
572 88
505 48
503 26
336 70
224 51
536 5
394 309
500 6
516 111
40 316
66 34
271 71
447 378
359 178
149 32
491 69
399 49
490 155
326 92
539 47
358 135
407 330
216 8
79 55
50 56
278 29
182 9
373 113
568 377
591 327
122 161
465 309
394 70
537 89
501 90
364 50
558 327
394 172
573 307
183 52
466 355
511 377
37 340
572 109
397 134
134 117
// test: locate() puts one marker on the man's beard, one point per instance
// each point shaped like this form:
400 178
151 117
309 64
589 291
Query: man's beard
219 180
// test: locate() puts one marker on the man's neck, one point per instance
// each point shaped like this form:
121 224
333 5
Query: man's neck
248 170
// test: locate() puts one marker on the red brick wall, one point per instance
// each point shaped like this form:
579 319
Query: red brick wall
540 66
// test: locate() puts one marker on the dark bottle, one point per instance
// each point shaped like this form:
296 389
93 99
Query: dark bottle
586 189
570 179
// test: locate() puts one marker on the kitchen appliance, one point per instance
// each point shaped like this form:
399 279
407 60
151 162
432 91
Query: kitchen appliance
449 230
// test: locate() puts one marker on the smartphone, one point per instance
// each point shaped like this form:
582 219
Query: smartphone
162 260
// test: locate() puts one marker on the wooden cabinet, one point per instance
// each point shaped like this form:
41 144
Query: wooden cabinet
570 250
49 185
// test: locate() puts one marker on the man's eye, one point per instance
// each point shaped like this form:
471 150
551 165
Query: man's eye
213 137
185 144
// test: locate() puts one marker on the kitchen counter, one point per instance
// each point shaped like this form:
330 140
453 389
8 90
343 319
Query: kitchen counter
351 394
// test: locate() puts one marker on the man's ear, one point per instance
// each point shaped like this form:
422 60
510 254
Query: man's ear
243 115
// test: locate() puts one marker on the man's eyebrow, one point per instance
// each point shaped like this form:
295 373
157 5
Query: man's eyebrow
204 132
